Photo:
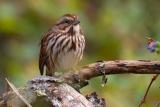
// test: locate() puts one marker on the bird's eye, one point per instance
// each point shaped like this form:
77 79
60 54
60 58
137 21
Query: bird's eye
67 21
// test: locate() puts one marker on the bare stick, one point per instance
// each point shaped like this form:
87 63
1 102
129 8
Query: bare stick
17 93
116 67
87 72
146 93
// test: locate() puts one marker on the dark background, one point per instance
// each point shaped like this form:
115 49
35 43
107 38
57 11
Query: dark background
114 29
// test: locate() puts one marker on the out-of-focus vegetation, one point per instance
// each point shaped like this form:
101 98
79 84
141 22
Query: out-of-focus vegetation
113 29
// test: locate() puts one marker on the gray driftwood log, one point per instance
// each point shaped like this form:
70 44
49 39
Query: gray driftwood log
64 91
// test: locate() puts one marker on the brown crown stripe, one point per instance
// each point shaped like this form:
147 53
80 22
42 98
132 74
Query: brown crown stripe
71 15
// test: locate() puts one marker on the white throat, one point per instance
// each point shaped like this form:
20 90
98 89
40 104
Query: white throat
76 28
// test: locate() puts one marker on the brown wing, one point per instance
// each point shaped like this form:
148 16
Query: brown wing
44 56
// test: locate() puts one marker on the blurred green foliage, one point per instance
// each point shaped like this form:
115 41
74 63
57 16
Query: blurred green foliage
114 29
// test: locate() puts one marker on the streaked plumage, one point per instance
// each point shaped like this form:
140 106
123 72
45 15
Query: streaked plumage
63 45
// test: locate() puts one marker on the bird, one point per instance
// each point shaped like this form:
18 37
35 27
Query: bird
62 46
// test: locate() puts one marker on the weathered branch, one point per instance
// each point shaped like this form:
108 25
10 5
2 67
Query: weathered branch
115 67
55 89
53 92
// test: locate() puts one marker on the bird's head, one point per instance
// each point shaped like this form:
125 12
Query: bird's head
68 22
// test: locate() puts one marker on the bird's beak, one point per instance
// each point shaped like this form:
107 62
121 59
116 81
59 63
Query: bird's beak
76 22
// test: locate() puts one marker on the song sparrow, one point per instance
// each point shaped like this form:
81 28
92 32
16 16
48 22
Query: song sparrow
63 45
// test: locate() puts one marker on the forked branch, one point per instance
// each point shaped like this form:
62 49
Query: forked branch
51 87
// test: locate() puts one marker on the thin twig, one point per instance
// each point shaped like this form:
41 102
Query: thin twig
17 93
146 93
